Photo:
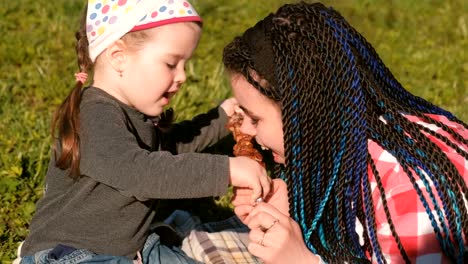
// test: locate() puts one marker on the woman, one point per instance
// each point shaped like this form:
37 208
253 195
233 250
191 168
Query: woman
373 173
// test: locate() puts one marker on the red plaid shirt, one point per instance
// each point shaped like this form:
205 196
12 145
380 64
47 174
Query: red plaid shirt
408 214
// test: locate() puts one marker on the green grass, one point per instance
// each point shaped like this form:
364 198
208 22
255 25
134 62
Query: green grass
423 42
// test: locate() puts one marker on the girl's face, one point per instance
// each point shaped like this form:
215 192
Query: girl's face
154 72
262 116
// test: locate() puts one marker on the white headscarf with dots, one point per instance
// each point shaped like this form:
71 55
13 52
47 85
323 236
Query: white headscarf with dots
108 20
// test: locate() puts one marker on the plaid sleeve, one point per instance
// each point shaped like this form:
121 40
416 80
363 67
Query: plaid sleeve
407 211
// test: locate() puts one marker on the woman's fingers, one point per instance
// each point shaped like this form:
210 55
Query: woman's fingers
242 211
274 236
256 236
265 233
262 208
258 250
263 220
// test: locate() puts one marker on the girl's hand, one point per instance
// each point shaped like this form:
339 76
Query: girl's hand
249 174
276 238
278 197
229 106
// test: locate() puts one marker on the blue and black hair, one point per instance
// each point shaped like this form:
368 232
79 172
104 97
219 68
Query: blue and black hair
336 94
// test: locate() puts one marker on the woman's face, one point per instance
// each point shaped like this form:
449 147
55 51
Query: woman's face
262 116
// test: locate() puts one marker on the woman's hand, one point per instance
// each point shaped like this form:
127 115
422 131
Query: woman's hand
278 197
276 238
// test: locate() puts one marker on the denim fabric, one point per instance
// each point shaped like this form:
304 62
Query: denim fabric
77 256
153 252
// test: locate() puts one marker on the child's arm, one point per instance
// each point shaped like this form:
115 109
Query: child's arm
113 152
202 131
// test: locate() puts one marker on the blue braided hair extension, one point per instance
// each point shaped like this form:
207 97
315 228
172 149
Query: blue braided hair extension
416 164
408 160
358 127
401 153
297 173
377 67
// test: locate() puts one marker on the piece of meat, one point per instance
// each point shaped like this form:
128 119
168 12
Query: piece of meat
244 145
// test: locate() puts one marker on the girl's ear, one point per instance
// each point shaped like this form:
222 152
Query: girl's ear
115 54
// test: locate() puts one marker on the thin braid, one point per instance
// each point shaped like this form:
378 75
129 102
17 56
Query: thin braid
385 206
362 219
414 128
426 151
442 194
448 167
435 155
386 76
370 222
407 160
450 249
450 131
396 90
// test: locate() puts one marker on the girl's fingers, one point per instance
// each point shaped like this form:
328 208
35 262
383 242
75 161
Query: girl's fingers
257 191
257 188
266 186
241 191
241 196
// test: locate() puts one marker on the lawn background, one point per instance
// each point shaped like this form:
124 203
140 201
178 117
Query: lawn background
423 42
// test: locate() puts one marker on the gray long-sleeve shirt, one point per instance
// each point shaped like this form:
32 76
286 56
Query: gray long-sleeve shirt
108 210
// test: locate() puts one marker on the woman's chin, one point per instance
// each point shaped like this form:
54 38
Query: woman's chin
277 158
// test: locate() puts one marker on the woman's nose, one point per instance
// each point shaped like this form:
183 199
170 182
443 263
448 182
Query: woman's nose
247 127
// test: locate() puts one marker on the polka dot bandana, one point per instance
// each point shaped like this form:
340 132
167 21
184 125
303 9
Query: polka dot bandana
108 20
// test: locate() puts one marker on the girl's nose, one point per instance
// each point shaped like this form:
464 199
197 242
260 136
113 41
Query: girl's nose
181 76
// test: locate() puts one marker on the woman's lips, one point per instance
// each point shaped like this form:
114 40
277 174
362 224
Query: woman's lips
276 157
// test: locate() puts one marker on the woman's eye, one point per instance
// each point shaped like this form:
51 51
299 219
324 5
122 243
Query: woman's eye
171 66
254 121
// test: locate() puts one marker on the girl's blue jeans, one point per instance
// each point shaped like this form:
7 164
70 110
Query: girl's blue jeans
153 252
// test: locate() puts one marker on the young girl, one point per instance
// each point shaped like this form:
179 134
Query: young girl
109 169
373 173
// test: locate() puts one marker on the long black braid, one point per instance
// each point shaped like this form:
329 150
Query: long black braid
336 95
